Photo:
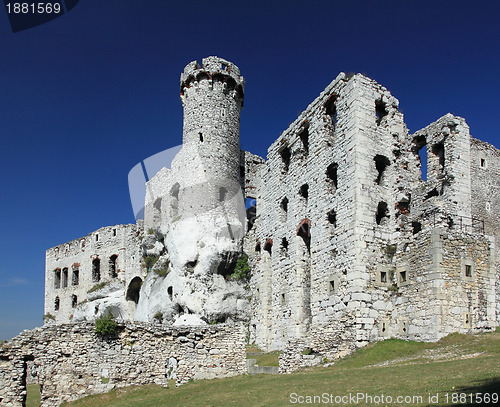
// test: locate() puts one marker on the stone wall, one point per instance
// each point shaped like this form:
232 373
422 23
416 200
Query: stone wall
111 255
72 361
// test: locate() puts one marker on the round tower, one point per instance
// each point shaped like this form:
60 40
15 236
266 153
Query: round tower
212 97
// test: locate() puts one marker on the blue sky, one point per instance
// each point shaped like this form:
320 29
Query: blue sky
88 95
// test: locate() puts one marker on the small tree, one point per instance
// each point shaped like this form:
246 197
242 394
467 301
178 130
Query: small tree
242 270
105 325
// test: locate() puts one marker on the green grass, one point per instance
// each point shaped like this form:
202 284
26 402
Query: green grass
33 398
457 363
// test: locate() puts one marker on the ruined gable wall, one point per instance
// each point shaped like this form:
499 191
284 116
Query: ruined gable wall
71 360
485 180
120 240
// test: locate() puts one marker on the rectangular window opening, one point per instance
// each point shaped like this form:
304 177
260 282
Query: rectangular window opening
76 277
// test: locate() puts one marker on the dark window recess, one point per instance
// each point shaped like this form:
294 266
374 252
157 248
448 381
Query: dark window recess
331 173
381 163
268 246
227 265
483 162
283 299
57 278
402 276
284 244
331 108
114 232
76 277
222 194
382 212
304 231
332 217
403 206
397 153
57 303
416 226
432 193
170 292
96 270
65 277
285 156
74 301
438 151
257 247
284 204
133 290
251 216
450 222
304 137
383 277
112 266
201 137
420 149
331 286
304 191
96 238
380 110
242 171
383 327
468 270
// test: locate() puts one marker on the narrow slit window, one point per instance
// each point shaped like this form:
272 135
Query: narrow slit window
285 157
284 204
57 278
468 270
112 266
65 278
332 217
96 270
331 173
57 304
75 280
304 137
74 301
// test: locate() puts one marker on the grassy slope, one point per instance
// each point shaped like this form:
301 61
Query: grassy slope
457 363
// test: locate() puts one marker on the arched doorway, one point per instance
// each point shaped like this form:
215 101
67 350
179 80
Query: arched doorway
134 289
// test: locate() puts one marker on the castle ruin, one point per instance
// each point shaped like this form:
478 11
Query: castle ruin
347 242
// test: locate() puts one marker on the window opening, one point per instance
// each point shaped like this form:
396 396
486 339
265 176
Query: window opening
114 232
251 211
381 163
331 286
170 292
432 193
285 156
284 244
74 301
468 270
268 245
112 266
382 212
96 270
201 137
331 173
133 290
483 162
402 276
242 171
75 280
96 237
383 276
331 108
257 247
65 277
332 217
380 110
304 231
284 204
420 149
304 137
57 303
57 278
283 298
438 150
417 227
304 191
222 194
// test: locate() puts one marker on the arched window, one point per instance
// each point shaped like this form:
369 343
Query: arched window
304 231
133 290
112 266
96 270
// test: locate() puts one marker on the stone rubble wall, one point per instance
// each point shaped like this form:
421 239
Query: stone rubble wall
72 361
120 240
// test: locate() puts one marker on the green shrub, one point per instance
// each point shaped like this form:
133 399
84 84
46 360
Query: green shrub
48 317
98 287
105 325
242 270
151 231
162 272
149 262
158 316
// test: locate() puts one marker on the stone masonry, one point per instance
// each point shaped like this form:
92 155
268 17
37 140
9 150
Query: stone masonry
349 237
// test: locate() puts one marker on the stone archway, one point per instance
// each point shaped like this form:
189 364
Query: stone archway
133 290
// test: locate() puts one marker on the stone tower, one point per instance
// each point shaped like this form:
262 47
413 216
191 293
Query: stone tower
212 97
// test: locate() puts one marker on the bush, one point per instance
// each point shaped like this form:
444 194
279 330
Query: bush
159 316
151 231
162 272
242 270
48 317
98 287
105 325
149 262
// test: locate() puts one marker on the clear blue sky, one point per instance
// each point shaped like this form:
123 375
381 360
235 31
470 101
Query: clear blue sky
88 95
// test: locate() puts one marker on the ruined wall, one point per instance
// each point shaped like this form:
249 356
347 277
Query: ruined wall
485 180
74 268
72 361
